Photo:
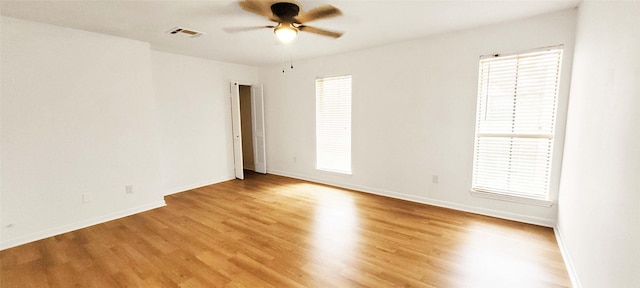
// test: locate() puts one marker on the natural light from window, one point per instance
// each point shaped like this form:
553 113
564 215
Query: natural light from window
516 113
333 124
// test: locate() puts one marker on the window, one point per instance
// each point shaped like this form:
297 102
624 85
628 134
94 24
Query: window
333 124
515 122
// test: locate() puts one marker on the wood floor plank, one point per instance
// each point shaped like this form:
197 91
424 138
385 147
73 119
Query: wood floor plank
272 231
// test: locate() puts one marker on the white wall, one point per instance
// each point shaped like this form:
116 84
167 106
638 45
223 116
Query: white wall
192 96
78 116
599 217
413 114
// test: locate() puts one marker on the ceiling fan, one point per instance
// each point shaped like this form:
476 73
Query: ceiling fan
290 18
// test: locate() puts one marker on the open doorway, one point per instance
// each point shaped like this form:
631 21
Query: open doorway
247 112
247 128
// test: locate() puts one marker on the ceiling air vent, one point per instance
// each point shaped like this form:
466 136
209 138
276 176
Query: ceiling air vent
179 31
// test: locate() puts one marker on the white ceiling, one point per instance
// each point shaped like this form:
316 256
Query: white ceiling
366 23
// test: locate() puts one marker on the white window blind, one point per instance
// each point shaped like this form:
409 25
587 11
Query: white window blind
517 96
333 124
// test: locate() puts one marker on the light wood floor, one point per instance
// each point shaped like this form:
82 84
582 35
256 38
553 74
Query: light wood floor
271 231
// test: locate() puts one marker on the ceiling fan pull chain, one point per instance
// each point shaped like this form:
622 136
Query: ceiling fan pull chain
283 59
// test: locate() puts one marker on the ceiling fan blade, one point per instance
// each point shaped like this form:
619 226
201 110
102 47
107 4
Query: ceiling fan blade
243 29
319 31
318 13
261 8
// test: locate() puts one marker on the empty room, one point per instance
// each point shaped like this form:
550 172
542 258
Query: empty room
261 143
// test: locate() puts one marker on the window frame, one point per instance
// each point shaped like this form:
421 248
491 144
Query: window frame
320 164
531 198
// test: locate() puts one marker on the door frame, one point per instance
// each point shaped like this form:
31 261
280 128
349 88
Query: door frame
257 127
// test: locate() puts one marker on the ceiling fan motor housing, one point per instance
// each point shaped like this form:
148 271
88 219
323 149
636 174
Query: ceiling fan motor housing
285 11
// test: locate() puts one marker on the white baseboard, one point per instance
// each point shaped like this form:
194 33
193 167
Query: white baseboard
575 281
429 201
5 244
197 185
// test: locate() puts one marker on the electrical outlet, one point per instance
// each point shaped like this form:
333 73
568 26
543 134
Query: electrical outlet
129 189
86 198
435 179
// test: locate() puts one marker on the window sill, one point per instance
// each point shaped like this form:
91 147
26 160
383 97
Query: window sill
511 198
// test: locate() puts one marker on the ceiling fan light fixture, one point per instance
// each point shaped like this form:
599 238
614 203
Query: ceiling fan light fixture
285 33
